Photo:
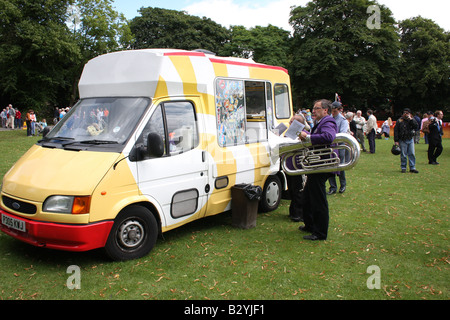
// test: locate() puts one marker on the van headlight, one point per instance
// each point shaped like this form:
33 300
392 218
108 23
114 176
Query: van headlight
67 204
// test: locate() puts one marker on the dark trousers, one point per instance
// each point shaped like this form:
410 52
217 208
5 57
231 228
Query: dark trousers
28 128
315 210
434 150
295 189
371 138
342 180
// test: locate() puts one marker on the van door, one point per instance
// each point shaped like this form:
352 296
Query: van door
177 179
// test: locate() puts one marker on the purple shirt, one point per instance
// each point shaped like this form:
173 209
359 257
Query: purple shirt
324 132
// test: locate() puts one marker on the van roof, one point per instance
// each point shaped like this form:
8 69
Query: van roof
138 72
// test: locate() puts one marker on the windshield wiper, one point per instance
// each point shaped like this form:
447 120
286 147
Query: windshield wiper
55 138
96 142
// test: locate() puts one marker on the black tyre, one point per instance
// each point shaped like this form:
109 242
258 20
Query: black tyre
271 195
133 234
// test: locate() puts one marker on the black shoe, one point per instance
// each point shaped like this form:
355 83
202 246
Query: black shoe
413 171
342 190
434 163
312 237
403 170
304 229
331 192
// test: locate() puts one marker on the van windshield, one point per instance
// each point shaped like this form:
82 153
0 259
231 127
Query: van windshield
99 121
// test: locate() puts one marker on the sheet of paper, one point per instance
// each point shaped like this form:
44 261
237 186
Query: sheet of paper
294 130
280 129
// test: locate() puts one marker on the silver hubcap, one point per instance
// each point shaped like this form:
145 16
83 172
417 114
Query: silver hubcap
272 193
131 233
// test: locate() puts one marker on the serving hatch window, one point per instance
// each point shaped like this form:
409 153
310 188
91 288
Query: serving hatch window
282 105
241 111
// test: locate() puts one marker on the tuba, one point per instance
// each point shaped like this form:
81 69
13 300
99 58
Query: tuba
304 158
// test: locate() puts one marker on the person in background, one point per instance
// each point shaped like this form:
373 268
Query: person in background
360 122
371 130
404 132
386 128
424 126
11 113
4 117
41 125
417 133
28 123
33 122
342 127
351 123
56 115
435 137
18 119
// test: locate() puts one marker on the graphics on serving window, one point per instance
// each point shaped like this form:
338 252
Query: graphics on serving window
230 112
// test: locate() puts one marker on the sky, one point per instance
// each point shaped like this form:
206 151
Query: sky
250 13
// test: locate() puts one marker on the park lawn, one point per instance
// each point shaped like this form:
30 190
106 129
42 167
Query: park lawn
387 221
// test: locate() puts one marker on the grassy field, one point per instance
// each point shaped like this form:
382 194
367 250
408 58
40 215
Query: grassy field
394 223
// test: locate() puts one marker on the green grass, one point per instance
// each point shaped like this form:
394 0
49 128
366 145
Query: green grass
398 222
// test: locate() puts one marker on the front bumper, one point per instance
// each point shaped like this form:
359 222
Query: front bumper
68 237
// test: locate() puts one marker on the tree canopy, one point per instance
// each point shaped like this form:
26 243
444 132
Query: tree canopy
334 51
162 28
36 49
41 58
423 78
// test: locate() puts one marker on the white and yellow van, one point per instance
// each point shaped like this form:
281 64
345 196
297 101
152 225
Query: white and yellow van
157 140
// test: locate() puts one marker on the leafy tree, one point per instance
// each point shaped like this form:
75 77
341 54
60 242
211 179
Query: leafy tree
100 29
162 28
334 50
269 45
44 45
424 74
36 49
97 29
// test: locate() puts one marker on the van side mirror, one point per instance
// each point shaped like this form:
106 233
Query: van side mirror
155 145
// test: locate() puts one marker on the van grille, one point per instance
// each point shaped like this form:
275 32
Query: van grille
19 206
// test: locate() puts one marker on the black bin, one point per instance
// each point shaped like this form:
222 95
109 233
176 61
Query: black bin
244 205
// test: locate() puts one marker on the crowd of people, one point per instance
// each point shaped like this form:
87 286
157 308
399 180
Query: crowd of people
12 118
59 113
308 193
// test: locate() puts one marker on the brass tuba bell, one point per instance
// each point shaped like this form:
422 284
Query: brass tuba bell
303 158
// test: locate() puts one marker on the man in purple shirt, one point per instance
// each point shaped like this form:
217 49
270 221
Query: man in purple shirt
315 210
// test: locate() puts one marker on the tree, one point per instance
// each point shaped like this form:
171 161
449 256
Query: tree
269 45
162 28
334 50
100 29
44 45
97 29
36 50
423 81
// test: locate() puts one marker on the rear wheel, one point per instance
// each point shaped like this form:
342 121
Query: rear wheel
271 195
133 234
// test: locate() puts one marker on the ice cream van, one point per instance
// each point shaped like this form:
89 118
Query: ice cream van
157 140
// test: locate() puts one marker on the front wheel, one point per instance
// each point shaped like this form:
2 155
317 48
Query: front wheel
133 234
271 195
